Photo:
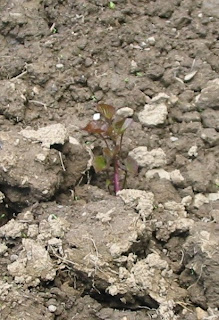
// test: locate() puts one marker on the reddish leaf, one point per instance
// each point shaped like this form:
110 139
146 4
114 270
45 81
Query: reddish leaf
99 163
105 129
94 127
106 110
131 165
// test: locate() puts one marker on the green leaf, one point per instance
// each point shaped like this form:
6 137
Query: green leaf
117 126
126 124
131 165
99 163
108 183
121 125
139 74
112 5
106 110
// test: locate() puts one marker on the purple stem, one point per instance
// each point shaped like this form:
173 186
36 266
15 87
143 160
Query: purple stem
116 175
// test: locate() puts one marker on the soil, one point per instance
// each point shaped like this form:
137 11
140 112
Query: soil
68 248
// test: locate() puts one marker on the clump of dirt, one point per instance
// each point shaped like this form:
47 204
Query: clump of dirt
69 249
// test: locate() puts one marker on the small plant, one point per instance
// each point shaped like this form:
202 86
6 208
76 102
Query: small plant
112 5
111 130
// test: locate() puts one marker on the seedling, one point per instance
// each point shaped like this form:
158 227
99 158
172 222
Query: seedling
139 74
112 5
111 130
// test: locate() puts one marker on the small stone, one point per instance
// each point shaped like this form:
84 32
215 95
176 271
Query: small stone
59 66
3 248
153 115
173 99
213 196
210 119
163 174
125 112
40 157
151 41
74 141
209 97
96 116
210 136
160 98
52 308
81 43
191 116
190 75
13 257
134 67
151 159
2 196
88 62
186 201
33 231
193 151
155 72
173 139
199 200
176 177
99 95
201 314
13 229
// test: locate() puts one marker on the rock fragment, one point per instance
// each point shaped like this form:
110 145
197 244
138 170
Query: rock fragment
125 112
193 151
141 200
3 249
33 264
38 180
199 200
151 159
13 229
209 96
153 115
210 119
211 136
50 135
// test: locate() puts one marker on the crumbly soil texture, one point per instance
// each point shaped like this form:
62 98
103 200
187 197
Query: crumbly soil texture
69 249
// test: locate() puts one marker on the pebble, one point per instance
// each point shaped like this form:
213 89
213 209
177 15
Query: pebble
3 248
59 66
201 314
173 139
151 41
125 112
88 62
199 200
193 151
96 116
153 115
210 136
13 257
52 308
